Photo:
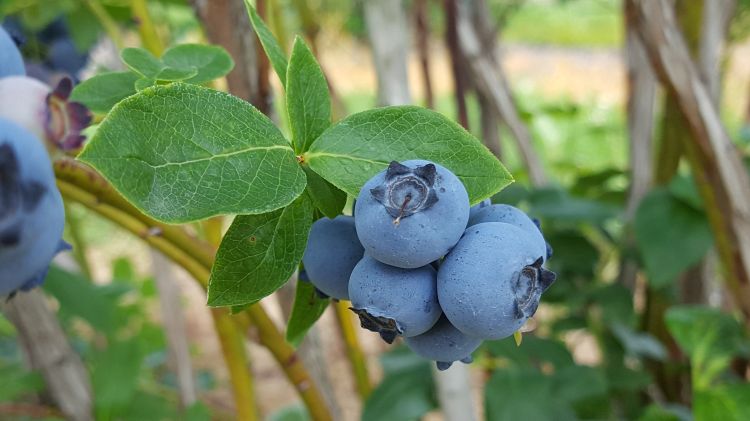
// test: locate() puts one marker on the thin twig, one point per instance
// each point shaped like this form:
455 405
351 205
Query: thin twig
86 187
353 348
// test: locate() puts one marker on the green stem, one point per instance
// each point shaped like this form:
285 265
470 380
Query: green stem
278 26
79 246
290 362
77 174
353 349
149 36
82 185
233 348
109 24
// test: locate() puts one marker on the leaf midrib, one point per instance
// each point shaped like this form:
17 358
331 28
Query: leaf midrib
194 161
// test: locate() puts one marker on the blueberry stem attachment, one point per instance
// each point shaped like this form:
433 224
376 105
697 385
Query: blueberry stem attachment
401 212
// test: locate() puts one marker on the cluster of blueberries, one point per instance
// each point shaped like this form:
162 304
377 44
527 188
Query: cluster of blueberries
52 45
32 217
417 261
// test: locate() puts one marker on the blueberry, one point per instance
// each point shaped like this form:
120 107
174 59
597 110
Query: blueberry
514 216
45 112
491 282
444 344
331 254
64 56
411 214
31 210
57 29
476 208
11 62
394 301
303 277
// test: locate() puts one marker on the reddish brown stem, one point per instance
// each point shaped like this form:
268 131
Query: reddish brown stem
459 76
423 48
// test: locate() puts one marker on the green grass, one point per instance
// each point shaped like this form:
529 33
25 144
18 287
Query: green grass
586 23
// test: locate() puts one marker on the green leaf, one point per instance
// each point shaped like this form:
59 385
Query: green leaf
524 394
307 309
290 413
182 152
150 407
170 74
624 379
358 147
239 308
614 302
325 196
725 402
672 412
640 344
192 63
683 188
101 92
81 298
84 28
307 99
400 359
556 203
114 378
259 253
710 337
671 235
575 383
141 62
211 62
532 351
402 396
197 412
17 382
144 83
273 50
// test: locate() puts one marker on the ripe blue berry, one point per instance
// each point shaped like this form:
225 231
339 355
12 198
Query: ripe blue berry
11 62
45 112
394 301
331 254
491 282
411 214
31 210
444 344
514 216
63 55
479 206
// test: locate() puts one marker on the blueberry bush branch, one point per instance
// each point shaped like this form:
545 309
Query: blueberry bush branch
233 348
240 378
181 153
109 24
80 184
353 349
721 178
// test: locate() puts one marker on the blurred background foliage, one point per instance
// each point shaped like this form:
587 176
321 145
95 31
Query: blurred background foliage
594 351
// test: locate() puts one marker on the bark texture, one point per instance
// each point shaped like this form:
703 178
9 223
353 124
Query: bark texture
716 17
640 107
49 353
389 38
311 351
173 321
423 48
226 23
489 78
717 167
